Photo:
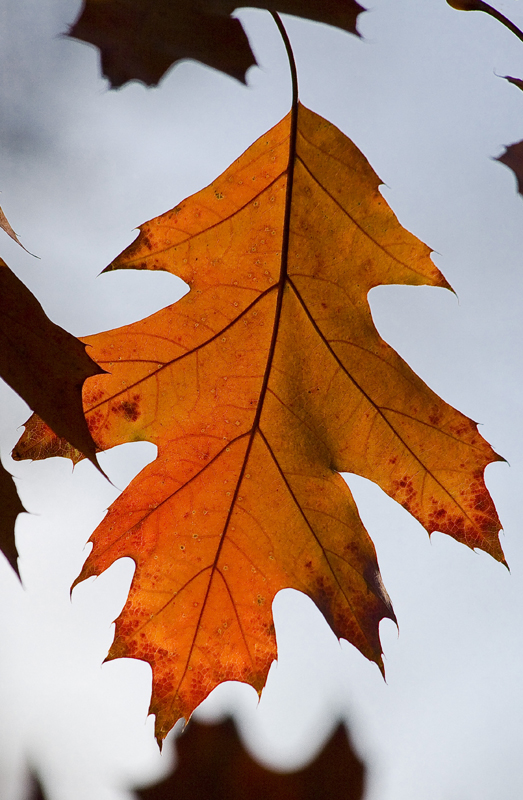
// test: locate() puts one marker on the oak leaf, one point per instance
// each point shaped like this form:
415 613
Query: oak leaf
214 765
141 39
259 387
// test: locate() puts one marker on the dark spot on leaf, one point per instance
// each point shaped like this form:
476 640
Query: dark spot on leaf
129 409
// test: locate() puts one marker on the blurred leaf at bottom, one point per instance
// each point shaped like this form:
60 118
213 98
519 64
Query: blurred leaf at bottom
214 765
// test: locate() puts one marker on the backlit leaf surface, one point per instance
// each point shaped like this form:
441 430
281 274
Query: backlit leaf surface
259 387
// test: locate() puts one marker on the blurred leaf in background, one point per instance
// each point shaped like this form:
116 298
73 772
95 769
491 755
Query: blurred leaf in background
214 765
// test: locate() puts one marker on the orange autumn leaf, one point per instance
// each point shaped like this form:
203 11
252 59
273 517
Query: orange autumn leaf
259 387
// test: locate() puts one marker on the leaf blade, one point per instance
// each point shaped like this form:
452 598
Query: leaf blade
259 386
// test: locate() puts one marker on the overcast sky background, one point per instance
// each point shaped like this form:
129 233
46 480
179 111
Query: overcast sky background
80 168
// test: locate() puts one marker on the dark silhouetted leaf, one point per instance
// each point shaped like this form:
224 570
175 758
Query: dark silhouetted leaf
214 765
514 81
141 39
468 5
36 791
10 508
513 158
43 363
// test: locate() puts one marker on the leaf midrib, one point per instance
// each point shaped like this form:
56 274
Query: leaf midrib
282 282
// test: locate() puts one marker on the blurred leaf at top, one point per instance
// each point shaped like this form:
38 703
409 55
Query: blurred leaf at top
141 39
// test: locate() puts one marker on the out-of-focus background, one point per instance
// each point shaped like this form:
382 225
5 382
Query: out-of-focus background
80 168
